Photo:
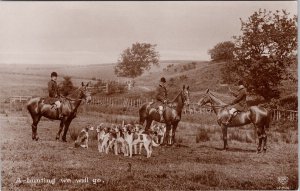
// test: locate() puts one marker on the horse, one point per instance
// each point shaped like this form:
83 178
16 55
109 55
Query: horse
260 117
172 114
37 108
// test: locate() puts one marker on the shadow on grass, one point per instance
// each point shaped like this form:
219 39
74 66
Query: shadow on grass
229 149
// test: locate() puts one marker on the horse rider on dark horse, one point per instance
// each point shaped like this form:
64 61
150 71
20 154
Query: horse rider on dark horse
54 95
239 103
161 98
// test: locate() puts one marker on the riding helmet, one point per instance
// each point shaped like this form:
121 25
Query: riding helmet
54 74
163 80
240 83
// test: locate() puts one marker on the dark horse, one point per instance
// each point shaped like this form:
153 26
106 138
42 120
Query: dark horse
37 108
256 115
172 114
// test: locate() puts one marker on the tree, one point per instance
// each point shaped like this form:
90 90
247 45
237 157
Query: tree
264 52
223 51
136 60
67 86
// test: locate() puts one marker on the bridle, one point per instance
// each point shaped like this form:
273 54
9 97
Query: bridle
72 99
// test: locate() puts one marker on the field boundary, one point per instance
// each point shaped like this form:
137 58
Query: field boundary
277 114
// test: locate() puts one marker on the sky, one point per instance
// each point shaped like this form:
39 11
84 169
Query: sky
97 32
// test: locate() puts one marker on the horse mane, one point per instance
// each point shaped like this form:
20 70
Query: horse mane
216 99
176 97
71 95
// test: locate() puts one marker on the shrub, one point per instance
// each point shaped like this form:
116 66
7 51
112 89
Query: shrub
202 135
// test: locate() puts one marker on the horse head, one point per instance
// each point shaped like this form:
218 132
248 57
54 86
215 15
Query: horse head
205 99
85 93
186 95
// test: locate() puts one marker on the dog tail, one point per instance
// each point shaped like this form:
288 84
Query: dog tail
155 144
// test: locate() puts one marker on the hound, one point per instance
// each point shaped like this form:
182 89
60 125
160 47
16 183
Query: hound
128 131
144 139
160 131
119 140
83 137
101 133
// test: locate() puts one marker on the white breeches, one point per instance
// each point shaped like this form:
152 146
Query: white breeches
160 108
232 110
58 104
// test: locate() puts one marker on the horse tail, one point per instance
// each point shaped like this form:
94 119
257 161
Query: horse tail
143 114
33 104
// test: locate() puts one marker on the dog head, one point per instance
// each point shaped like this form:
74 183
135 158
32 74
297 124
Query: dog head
128 128
138 128
99 128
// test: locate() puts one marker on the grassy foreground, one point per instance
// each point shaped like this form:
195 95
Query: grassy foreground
186 166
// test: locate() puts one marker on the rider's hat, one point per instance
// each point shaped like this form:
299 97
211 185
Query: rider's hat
163 80
53 74
240 83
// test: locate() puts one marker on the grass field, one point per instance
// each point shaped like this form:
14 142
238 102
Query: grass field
186 166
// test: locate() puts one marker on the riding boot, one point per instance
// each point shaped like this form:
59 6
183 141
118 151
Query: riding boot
229 119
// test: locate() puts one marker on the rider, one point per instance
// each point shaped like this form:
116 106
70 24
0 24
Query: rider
239 103
54 92
161 97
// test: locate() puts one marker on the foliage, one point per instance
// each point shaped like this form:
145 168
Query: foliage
67 86
136 60
115 87
264 52
223 51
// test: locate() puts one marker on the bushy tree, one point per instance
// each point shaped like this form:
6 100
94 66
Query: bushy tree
264 52
223 51
136 60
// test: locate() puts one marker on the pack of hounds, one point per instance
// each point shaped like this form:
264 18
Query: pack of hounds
123 138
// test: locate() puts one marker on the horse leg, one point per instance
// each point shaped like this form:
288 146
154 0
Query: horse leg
67 124
148 125
61 126
224 131
174 127
264 140
34 127
167 135
260 139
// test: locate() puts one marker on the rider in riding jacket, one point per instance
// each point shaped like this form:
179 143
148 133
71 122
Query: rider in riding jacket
239 103
54 92
161 97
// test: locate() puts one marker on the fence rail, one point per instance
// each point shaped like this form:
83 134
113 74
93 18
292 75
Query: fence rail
277 114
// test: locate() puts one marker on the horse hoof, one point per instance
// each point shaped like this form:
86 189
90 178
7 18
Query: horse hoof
64 140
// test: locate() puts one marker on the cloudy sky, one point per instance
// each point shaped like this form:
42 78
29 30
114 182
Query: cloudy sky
97 32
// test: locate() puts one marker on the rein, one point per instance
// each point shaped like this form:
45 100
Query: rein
71 99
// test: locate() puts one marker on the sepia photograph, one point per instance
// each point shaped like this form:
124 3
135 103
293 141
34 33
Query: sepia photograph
130 95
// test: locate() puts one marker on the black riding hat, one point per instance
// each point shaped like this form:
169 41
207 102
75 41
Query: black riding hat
240 83
163 79
53 74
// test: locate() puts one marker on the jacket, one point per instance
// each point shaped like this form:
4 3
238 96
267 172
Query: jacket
161 93
53 89
240 102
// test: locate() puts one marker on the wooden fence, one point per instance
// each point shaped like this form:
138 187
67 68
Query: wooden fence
277 114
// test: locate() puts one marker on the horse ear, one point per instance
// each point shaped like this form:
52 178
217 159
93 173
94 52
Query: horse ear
188 88
82 84
183 87
207 91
